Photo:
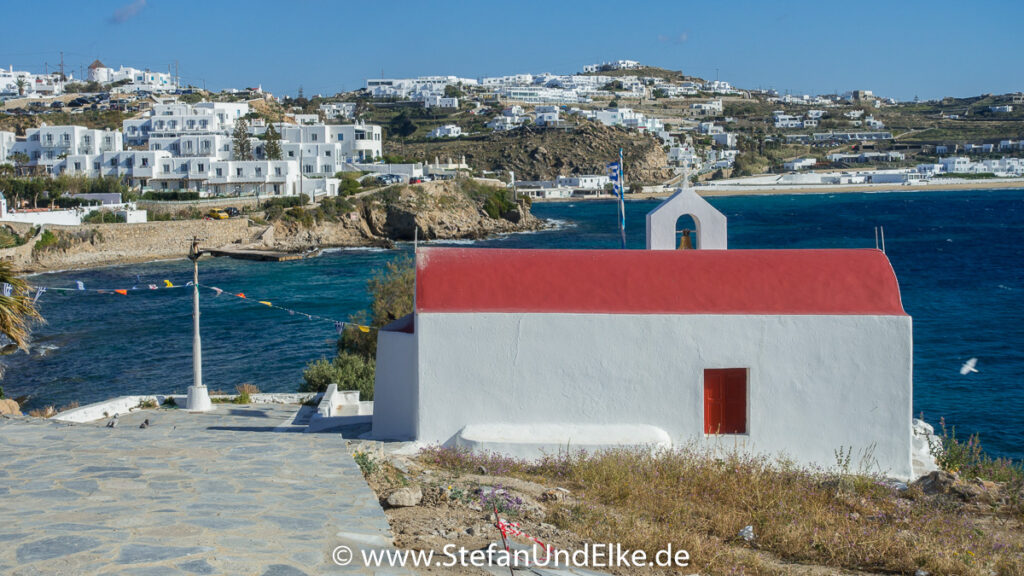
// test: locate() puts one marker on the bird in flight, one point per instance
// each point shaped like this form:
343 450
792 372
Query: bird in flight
969 367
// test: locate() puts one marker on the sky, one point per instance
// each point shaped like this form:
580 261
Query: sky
897 48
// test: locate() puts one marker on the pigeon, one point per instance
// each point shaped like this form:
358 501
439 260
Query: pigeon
145 423
969 367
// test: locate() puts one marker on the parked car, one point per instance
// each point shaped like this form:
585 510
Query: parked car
232 211
218 214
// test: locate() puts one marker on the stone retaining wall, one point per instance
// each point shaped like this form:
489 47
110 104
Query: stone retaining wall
173 207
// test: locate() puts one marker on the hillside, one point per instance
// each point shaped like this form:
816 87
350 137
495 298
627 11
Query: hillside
648 72
538 154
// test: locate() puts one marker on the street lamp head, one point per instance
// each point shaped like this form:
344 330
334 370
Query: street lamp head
194 252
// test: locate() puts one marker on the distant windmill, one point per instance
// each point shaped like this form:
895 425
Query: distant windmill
969 367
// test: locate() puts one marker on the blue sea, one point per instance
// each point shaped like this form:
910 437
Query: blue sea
959 257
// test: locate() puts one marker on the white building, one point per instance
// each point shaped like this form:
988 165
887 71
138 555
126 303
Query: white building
614 65
588 182
7 140
725 140
46 145
955 164
546 116
20 83
137 80
216 145
1001 109
333 111
177 118
709 108
331 145
807 353
800 164
446 131
409 87
438 101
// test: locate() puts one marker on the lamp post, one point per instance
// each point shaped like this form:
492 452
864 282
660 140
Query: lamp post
198 397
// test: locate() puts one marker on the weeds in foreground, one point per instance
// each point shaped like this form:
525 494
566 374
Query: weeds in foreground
969 460
43 412
367 463
148 403
245 393
700 500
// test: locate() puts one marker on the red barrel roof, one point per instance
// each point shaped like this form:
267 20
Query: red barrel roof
761 282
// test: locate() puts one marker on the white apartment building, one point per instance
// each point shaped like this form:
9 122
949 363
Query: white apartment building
587 182
446 131
710 128
325 149
338 110
800 164
541 95
725 140
503 122
710 108
177 118
47 144
684 156
138 80
955 164
407 87
625 117
1001 109
7 140
614 65
438 101
512 80
546 116
190 145
159 170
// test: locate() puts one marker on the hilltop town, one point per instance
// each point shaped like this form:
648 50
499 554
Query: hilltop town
553 133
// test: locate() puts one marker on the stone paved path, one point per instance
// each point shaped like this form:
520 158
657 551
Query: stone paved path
235 491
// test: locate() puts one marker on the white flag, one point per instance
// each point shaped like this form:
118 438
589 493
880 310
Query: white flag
81 285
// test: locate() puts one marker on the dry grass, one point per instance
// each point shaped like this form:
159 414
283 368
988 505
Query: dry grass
43 412
245 393
700 501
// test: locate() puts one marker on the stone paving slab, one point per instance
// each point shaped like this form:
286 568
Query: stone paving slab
239 490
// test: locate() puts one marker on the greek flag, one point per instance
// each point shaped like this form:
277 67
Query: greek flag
613 171
7 289
81 285
39 292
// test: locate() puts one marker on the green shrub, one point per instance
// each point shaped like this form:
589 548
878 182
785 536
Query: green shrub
349 371
102 217
48 241
970 461
171 196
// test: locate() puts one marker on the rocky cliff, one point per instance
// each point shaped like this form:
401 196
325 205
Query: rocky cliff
539 154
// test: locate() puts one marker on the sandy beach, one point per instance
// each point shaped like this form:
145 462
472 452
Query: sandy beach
760 190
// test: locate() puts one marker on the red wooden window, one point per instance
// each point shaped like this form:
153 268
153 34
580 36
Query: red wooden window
725 401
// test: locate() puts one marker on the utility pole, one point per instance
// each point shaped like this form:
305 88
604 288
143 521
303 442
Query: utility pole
198 397
62 65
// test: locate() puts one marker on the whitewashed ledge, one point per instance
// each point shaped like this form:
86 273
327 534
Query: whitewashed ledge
125 404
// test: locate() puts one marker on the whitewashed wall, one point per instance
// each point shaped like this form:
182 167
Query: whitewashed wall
816 383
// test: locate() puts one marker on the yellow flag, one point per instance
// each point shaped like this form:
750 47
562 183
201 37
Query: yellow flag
265 303
167 284
364 328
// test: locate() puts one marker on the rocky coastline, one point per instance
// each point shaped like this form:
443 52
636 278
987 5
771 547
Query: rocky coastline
433 211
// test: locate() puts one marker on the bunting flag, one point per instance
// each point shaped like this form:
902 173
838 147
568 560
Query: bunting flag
81 285
265 303
39 292
240 294
189 283
167 284
364 328
7 288
152 287
340 327
122 292
217 290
